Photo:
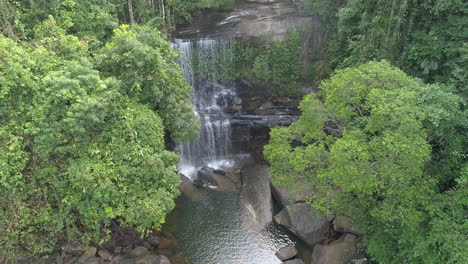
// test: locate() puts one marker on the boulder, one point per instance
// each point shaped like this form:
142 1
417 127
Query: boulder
105 254
255 196
284 197
155 241
294 261
73 250
305 222
340 251
218 180
287 252
282 218
148 259
343 224
139 252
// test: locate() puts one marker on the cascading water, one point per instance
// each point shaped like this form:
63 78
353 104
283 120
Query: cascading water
201 61
211 226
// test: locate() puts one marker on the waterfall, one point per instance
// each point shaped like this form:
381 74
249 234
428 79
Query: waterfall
203 64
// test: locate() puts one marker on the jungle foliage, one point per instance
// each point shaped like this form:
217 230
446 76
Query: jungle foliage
83 125
426 39
388 151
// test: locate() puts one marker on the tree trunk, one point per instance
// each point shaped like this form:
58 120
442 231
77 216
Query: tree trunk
130 11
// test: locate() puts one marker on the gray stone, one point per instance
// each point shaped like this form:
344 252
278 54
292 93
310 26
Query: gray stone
218 180
85 259
118 250
73 250
155 241
284 197
147 259
139 252
340 251
163 260
294 261
306 223
105 254
343 224
287 252
282 218
255 197
147 245
92 251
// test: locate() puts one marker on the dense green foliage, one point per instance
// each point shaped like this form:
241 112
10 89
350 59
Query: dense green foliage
82 138
426 39
274 64
364 145
94 20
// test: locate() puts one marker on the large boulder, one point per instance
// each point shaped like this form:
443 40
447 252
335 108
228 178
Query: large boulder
305 222
255 196
340 251
285 197
218 180
343 224
282 218
287 252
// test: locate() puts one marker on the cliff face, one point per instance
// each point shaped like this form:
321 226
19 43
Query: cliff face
273 18
254 111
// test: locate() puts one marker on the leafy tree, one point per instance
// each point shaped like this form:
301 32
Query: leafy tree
361 144
426 38
143 61
78 150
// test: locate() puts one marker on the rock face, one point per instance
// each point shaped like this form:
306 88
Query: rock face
305 222
255 196
287 252
218 180
273 18
340 251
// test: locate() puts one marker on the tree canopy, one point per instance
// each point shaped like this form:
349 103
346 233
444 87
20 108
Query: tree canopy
82 137
362 144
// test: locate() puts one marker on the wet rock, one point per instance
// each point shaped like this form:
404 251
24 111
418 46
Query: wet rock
219 171
105 254
205 177
294 261
189 190
340 251
285 101
287 252
256 201
306 223
218 180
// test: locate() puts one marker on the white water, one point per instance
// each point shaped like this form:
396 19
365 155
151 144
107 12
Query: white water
201 61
